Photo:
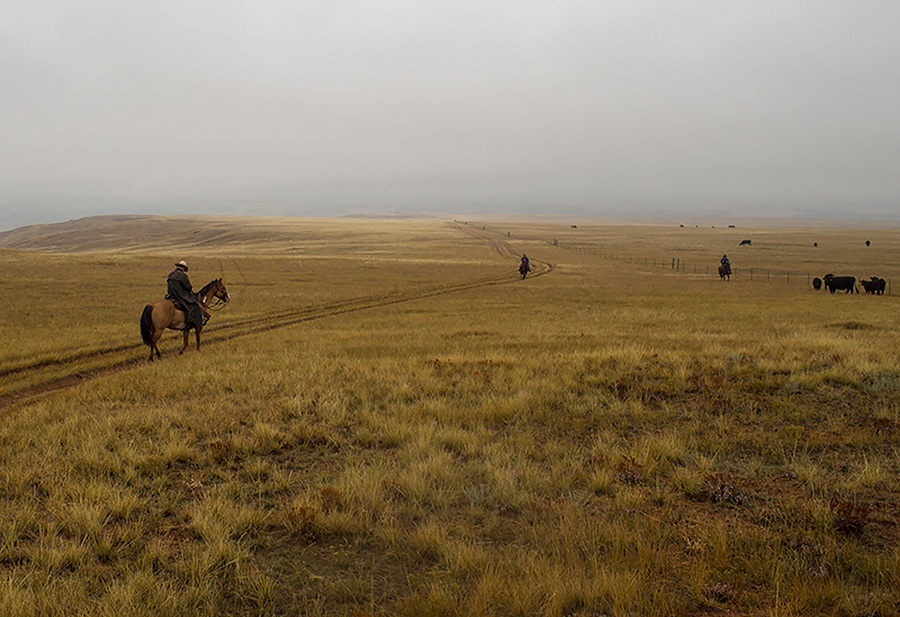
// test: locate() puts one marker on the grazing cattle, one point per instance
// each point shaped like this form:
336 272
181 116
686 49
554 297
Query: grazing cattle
746 243
817 283
834 283
874 286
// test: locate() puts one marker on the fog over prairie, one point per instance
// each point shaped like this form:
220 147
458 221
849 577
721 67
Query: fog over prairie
329 108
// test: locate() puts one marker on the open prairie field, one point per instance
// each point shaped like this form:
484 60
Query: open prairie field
386 420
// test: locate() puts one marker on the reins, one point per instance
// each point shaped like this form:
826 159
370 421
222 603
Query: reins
218 306
219 303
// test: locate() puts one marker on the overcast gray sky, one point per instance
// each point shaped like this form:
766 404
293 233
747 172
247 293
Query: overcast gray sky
333 107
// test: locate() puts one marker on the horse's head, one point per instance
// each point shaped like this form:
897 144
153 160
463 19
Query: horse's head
215 289
220 292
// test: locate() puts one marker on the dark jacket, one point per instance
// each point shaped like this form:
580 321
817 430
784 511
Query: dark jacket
179 290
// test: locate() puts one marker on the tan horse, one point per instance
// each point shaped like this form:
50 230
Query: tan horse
162 314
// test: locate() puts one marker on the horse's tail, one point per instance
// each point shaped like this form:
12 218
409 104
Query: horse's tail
147 325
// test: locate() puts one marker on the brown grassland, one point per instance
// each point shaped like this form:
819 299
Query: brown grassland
416 431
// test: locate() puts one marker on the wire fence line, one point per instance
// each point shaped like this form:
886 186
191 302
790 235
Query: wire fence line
676 264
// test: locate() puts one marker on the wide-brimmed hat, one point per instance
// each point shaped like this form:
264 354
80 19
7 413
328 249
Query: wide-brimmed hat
182 264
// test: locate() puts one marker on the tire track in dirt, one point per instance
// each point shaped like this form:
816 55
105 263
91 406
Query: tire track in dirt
501 247
110 363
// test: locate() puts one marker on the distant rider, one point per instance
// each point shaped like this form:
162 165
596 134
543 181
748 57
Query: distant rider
179 290
525 263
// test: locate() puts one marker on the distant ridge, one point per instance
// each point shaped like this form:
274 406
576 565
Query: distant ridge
76 235
70 225
397 215
159 233
156 233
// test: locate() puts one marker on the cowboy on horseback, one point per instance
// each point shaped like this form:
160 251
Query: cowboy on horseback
725 268
180 291
182 309
524 266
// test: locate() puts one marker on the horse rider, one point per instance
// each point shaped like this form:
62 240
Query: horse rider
726 265
179 290
526 263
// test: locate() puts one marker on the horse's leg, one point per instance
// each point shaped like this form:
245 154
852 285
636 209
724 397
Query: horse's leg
197 332
157 334
187 332
160 318
153 338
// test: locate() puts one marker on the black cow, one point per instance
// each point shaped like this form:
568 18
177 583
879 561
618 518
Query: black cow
847 283
817 283
746 243
874 286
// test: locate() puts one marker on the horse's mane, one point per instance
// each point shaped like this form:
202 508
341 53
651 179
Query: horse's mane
206 287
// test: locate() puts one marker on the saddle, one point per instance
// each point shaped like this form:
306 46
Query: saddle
179 305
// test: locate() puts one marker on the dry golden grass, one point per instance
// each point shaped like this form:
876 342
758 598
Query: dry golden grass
611 438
